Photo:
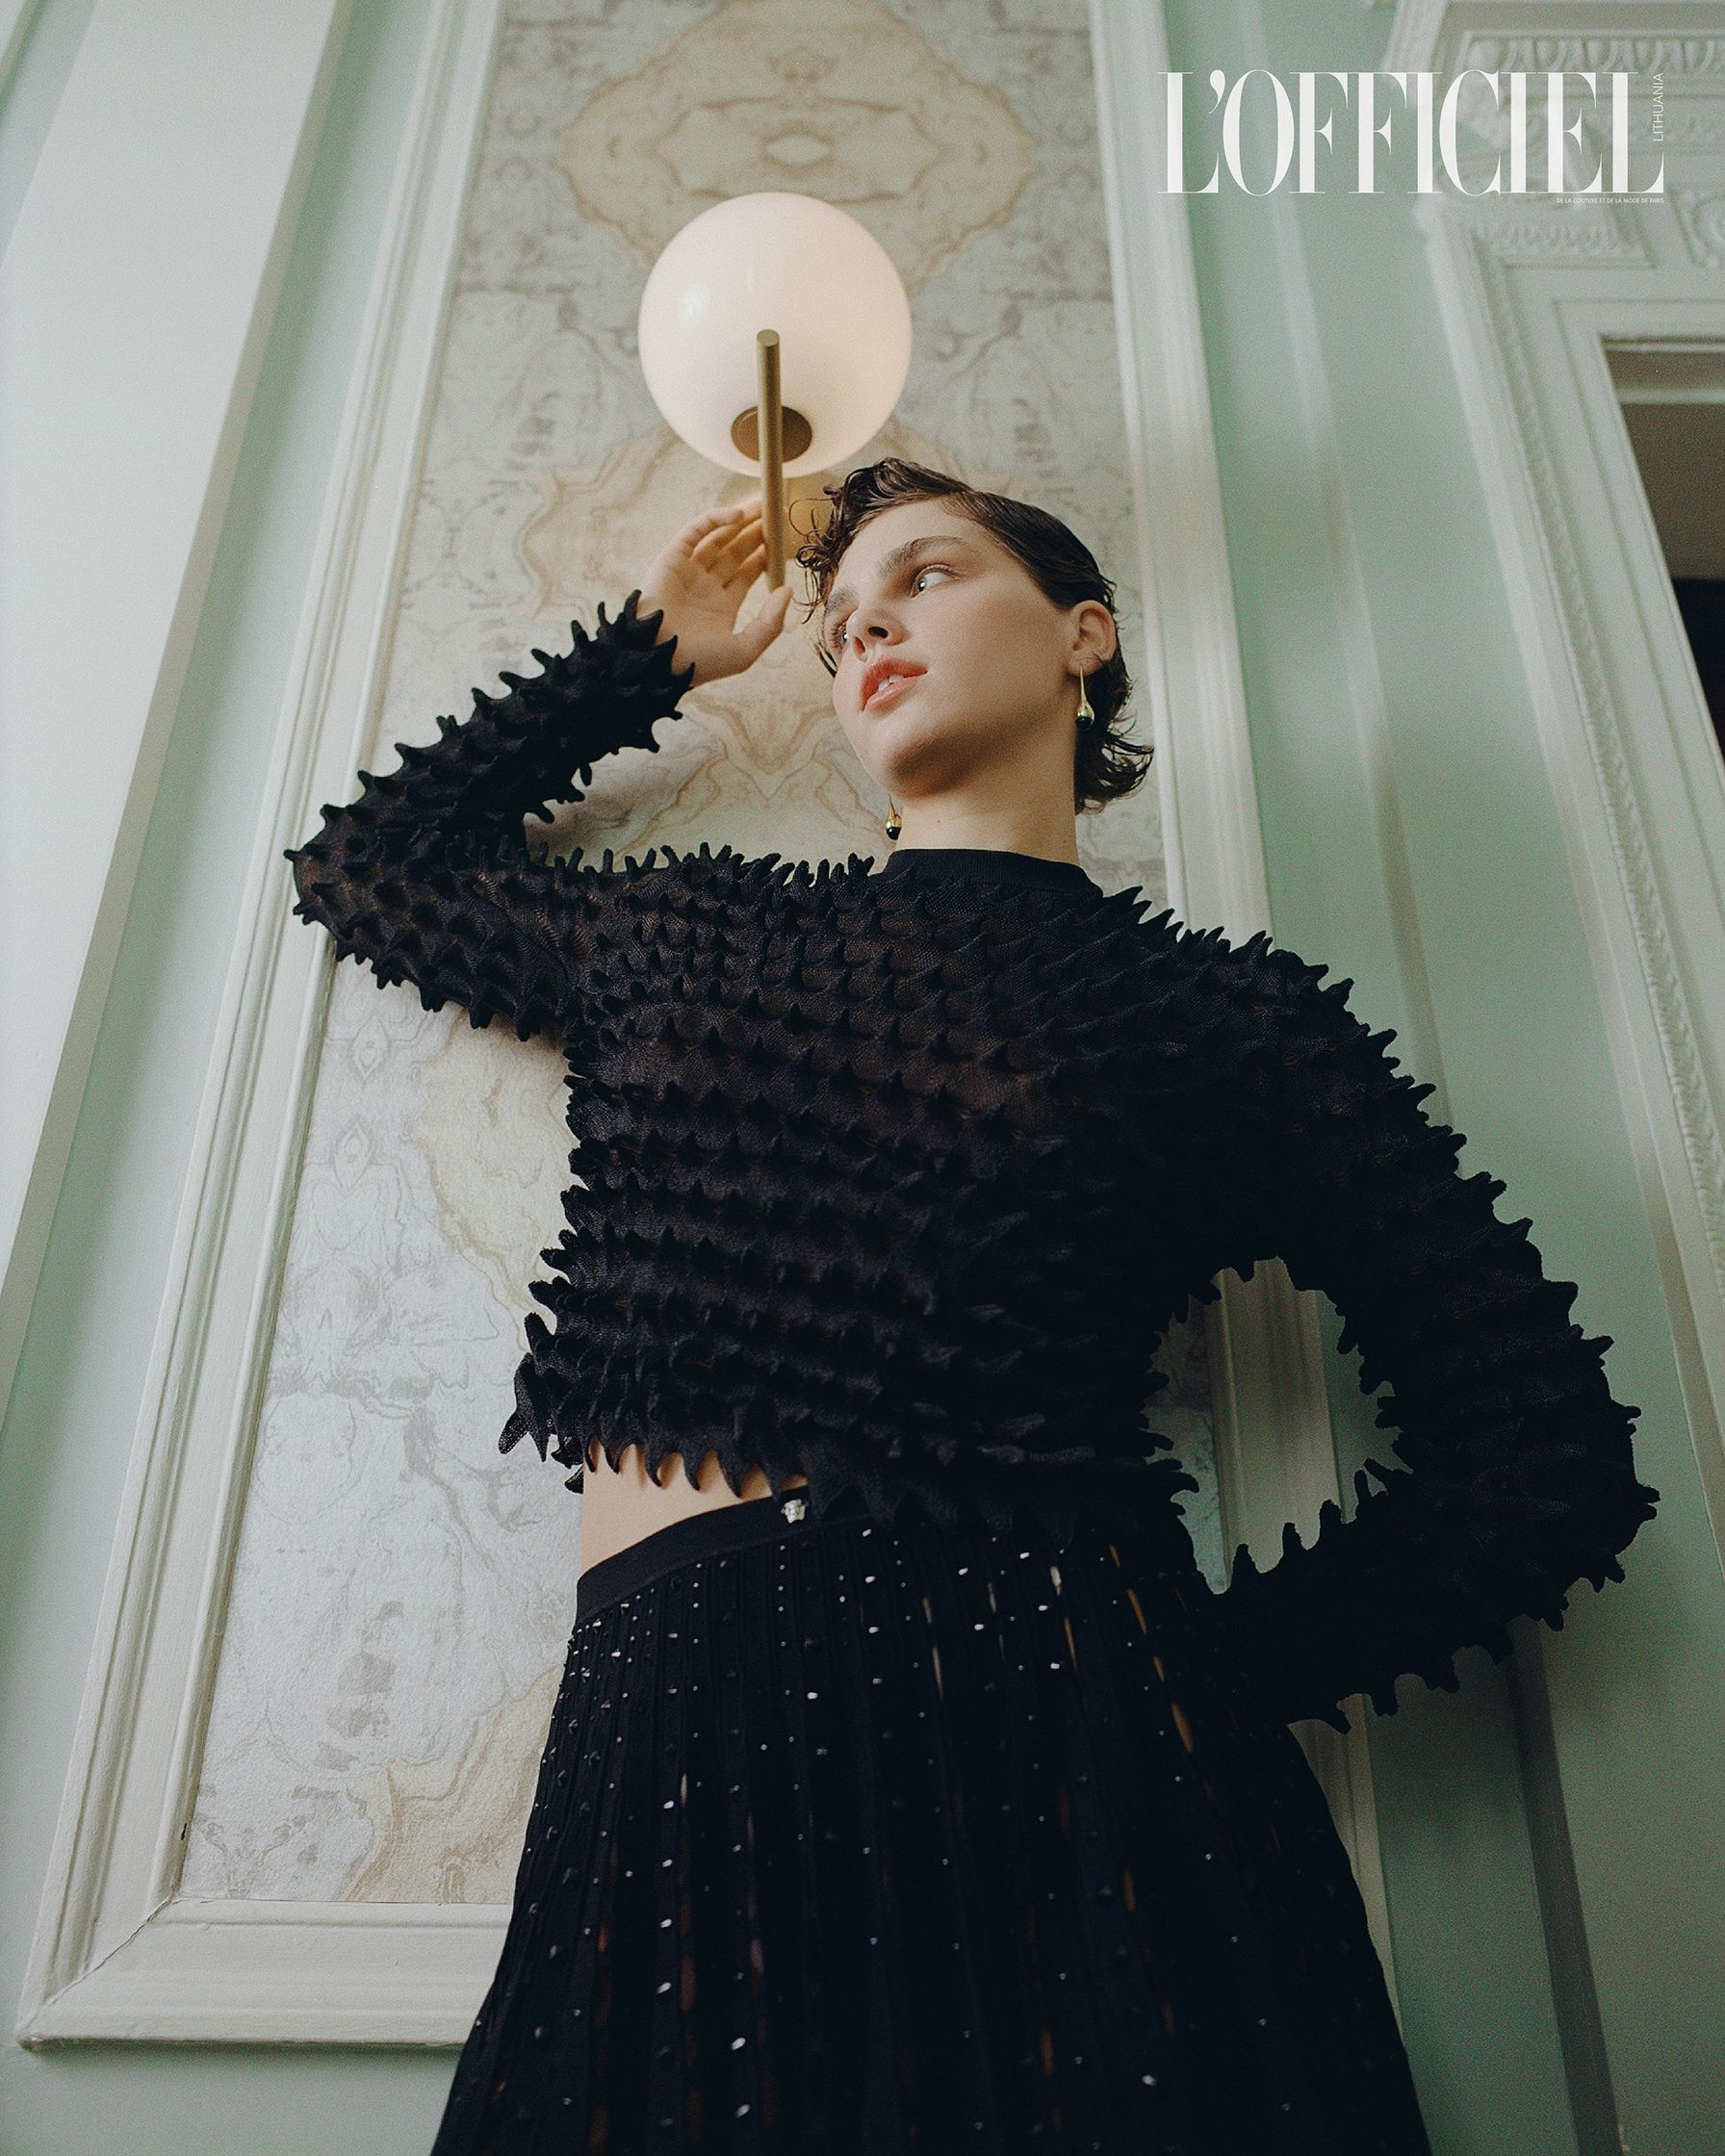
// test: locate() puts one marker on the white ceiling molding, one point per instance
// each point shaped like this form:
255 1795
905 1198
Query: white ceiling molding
1674 38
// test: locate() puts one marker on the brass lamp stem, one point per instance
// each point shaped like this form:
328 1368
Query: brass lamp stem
770 421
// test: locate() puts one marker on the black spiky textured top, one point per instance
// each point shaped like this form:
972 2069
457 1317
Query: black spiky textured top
898 1177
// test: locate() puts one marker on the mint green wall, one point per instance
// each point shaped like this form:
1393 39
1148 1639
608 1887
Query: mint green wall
65 1443
1411 835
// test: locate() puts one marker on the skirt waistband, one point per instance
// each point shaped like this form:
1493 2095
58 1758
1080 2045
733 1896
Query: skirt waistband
712 1532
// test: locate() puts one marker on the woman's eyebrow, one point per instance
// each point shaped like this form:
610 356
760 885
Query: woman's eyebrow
891 564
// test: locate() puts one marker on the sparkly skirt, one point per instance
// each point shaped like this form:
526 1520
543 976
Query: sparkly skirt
864 1840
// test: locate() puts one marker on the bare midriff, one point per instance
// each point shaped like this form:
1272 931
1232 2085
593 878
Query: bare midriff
622 1505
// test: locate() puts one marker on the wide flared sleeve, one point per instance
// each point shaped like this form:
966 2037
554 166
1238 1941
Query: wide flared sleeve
1517 1478
429 877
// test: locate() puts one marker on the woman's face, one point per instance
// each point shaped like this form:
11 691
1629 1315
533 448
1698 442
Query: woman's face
985 718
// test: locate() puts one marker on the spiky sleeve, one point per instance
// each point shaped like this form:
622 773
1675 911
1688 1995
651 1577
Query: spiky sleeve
1517 1476
429 876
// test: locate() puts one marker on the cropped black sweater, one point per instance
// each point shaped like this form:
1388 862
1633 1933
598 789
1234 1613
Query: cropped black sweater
898 1177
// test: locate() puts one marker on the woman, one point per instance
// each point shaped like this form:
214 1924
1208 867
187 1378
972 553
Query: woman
909 1790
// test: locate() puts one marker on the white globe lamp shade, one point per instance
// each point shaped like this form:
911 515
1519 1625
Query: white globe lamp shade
823 282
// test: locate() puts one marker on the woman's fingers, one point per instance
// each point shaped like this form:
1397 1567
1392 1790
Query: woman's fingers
693 536
740 540
727 545
720 548
730 512
744 561
701 531
735 566
744 576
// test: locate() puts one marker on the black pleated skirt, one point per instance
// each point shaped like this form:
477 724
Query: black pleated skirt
864 1840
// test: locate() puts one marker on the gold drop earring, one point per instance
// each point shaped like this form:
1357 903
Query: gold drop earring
893 826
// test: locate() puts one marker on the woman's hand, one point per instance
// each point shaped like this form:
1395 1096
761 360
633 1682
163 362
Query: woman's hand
701 580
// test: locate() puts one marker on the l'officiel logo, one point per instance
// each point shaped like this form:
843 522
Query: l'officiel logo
1506 101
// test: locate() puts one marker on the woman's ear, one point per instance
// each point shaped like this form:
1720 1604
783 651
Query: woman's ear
1098 638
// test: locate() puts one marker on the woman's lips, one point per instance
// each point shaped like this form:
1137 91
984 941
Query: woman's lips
890 686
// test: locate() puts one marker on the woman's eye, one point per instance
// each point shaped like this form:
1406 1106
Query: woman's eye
928 569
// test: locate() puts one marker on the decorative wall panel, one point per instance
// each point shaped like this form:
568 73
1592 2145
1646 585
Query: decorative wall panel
402 1595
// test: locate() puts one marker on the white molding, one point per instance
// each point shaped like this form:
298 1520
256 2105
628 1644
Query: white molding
115 1953
1532 301
1210 828
1640 36
1275 1446
287 1972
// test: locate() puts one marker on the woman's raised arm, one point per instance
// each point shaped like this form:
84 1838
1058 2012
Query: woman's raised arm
1518 1477
429 876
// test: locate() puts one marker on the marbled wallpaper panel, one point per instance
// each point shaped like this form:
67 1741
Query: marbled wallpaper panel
404 1592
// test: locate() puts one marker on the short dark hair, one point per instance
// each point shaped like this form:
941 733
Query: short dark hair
1107 763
